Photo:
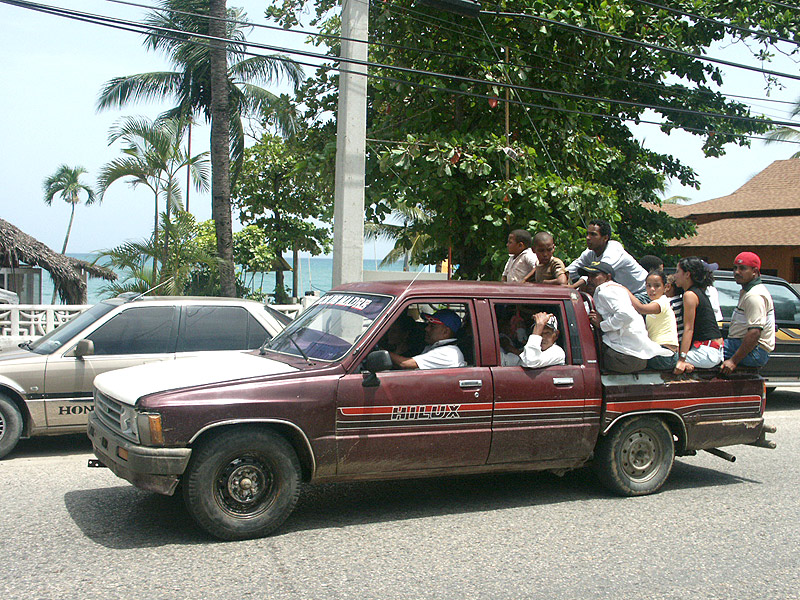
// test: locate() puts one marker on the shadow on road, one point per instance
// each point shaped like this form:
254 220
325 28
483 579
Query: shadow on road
783 399
125 517
60 445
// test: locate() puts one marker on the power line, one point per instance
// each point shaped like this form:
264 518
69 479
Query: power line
141 28
721 24
145 28
641 44
658 87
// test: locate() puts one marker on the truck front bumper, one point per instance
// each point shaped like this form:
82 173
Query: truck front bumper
153 469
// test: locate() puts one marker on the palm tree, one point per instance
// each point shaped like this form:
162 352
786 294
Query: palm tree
66 183
200 76
152 156
411 242
131 259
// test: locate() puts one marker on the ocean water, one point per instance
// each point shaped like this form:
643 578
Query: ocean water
316 275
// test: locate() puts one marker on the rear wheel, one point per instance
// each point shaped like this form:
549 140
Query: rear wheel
636 457
10 425
242 484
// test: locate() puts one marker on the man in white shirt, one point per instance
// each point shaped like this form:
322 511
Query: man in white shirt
441 351
626 345
541 349
600 247
522 259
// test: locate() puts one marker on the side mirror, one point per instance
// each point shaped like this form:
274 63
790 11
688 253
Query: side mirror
376 361
84 348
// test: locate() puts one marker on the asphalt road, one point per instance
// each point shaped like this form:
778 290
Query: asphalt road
716 530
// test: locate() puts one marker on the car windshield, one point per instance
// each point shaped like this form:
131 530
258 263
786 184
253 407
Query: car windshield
330 327
62 334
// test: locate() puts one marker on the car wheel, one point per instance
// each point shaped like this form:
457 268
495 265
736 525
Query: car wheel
636 457
242 484
10 425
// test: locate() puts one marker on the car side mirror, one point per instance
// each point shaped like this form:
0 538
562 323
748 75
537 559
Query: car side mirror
376 361
84 348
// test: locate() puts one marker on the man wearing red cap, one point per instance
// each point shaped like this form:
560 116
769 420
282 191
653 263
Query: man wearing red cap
751 336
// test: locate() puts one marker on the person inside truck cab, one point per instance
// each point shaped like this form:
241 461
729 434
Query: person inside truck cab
541 349
626 347
442 351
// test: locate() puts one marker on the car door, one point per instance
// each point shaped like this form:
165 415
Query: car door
540 414
134 336
416 419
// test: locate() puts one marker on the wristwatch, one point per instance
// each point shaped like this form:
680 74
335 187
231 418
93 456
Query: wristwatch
682 355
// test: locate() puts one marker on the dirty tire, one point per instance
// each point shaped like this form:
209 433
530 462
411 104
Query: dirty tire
242 484
636 457
10 425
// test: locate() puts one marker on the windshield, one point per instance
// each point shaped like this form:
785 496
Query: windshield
62 334
328 329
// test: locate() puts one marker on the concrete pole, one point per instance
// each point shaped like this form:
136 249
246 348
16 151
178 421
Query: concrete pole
351 132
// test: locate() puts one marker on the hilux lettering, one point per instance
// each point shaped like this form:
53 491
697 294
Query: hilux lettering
425 411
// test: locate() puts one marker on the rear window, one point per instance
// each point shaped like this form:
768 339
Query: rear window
209 328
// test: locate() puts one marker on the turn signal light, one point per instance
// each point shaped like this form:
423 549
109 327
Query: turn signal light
156 434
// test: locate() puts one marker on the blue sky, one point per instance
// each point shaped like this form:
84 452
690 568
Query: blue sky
52 70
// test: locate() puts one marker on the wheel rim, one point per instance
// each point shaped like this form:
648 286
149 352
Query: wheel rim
245 487
640 456
2 426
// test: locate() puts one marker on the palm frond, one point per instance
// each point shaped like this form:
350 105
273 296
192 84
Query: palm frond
154 86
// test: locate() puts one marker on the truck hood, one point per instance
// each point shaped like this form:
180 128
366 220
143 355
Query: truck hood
128 385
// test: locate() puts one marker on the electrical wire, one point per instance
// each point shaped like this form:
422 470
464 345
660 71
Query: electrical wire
721 24
641 44
143 28
661 88
166 33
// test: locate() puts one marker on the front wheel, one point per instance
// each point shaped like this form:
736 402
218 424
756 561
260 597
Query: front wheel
636 457
242 484
10 425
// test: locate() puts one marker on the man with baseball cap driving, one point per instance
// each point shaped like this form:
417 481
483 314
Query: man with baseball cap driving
441 351
751 336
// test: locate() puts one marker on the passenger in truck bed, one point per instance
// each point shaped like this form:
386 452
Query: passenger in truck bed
626 346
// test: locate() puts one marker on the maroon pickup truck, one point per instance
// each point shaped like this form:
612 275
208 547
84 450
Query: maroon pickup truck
321 401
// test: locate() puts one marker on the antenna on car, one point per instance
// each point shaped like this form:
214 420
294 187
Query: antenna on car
131 296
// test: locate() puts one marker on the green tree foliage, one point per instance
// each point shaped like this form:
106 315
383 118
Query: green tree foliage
66 183
281 192
567 158
199 71
152 155
134 260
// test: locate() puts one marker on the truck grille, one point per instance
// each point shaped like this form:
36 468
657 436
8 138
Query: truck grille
118 417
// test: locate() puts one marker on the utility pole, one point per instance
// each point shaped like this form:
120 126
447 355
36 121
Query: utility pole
351 132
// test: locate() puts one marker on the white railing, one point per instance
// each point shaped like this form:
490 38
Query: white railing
34 320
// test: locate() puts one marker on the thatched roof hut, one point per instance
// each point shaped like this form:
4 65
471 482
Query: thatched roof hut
67 273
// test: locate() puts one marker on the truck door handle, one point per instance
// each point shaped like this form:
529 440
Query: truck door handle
470 383
563 381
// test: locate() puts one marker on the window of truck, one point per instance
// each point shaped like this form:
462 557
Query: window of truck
329 328
514 324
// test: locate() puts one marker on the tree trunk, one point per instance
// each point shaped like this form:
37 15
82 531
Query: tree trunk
220 149
155 244
295 272
64 248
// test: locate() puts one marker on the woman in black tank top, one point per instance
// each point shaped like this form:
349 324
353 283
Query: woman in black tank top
701 345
